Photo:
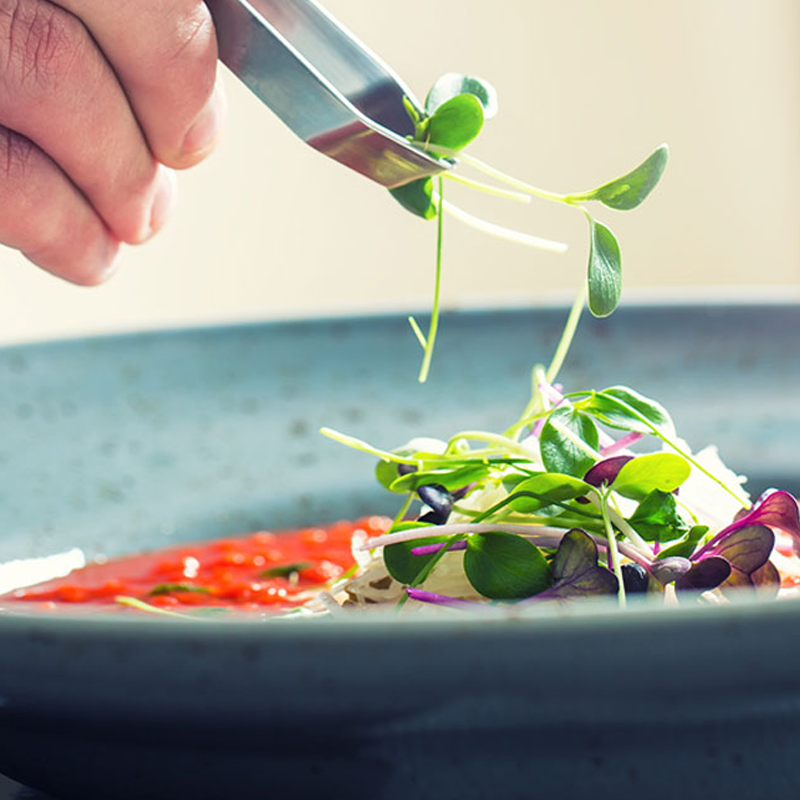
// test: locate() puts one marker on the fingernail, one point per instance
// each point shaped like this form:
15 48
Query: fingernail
164 199
113 254
206 128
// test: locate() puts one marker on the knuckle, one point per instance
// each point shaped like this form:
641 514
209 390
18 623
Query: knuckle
17 154
39 43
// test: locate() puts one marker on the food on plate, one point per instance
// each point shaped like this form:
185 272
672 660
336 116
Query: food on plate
588 493
262 572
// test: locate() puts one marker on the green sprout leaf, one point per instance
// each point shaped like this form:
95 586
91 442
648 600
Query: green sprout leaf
503 566
552 488
656 519
457 122
449 478
401 564
605 270
664 472
567 441
416 197
632 189
623 408
453 84
687 545
386 473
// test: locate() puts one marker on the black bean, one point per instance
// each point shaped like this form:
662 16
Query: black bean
405 469
634 577
438 499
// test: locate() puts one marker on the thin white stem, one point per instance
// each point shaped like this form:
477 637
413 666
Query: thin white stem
496 191
503 442
418 332
499 231
540 534
613 551
489 170
567 335
629 531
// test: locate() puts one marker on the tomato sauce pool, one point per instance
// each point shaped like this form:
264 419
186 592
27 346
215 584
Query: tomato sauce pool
261 571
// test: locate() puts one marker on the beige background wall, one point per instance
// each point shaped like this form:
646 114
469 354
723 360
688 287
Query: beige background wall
587 87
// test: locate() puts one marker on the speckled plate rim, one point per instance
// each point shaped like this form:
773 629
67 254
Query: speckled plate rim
605 613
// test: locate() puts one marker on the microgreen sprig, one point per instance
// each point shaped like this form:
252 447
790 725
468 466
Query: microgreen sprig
453 116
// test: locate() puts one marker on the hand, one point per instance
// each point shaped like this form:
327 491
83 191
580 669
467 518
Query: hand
97 99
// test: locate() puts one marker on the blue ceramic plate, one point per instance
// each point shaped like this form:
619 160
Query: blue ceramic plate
119 444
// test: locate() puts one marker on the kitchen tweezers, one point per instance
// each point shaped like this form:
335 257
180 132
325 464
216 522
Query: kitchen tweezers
324 84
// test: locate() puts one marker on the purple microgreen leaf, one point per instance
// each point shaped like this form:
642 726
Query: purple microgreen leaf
441 599
667 570
766 580
704 575
776 509
504 566
575 568
747 549
576 572
606 471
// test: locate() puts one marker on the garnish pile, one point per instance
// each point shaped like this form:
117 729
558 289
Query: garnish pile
572 500
557 507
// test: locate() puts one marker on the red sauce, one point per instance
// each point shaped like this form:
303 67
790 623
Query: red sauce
262 571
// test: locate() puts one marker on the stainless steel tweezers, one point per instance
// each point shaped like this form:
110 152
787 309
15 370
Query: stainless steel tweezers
324 84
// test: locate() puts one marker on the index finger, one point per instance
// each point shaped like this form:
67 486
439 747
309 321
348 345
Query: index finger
164 53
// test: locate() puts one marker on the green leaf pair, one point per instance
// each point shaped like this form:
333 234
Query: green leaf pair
455 110
501 566
605 261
